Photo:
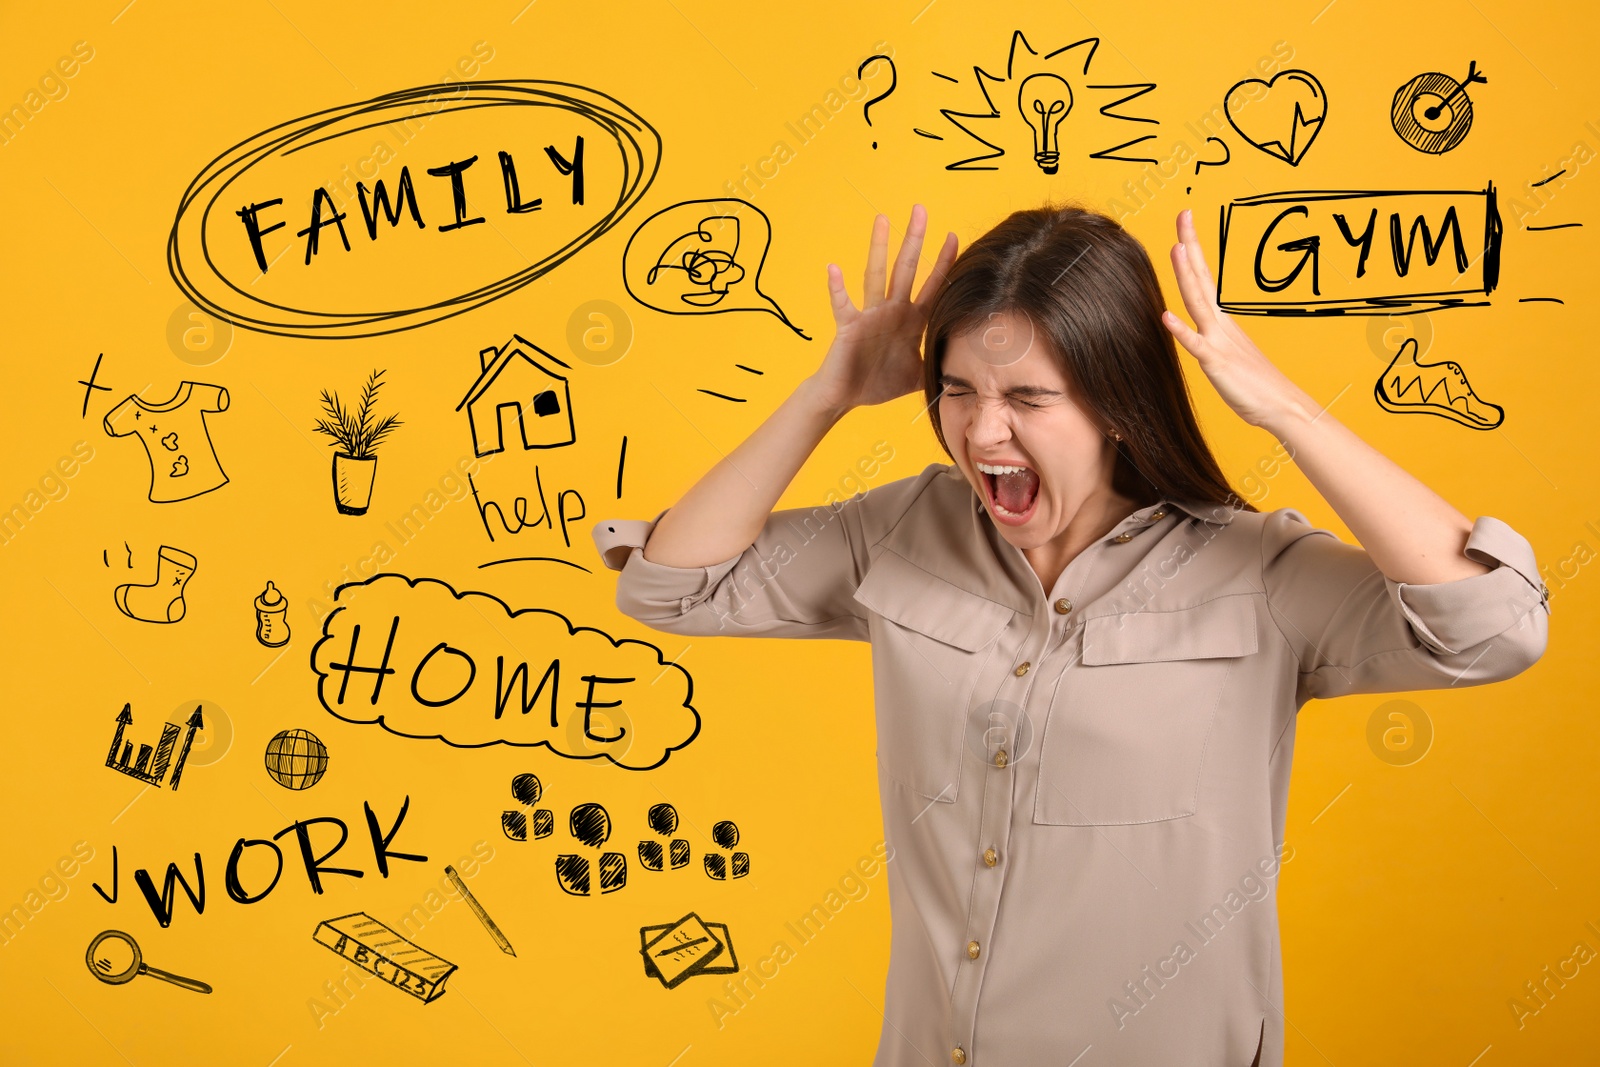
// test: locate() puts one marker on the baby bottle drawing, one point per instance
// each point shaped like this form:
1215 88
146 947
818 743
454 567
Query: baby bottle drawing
272 623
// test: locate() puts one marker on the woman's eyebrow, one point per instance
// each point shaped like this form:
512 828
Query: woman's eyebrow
948 381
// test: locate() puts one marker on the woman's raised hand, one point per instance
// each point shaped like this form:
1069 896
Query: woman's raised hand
876 353
1249 382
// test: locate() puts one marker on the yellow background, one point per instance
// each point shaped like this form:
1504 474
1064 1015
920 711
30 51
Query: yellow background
1419 899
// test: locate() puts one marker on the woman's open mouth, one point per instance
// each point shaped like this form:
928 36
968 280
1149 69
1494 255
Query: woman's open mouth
1012 491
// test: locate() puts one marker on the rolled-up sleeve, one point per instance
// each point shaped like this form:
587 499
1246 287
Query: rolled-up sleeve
795 580
1355 630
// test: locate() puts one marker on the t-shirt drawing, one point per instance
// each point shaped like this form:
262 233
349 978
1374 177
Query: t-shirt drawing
182 462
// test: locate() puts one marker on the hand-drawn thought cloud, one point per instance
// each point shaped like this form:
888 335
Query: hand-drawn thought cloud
424 661
393 221
702 257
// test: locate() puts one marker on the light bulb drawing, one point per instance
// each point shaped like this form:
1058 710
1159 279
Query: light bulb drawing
1044 100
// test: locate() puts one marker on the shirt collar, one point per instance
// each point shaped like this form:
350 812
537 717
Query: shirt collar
1205 510
946 533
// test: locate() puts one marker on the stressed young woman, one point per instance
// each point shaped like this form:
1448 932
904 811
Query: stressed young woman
1089 652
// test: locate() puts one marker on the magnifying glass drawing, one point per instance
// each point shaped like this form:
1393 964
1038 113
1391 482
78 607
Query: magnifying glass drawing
114 957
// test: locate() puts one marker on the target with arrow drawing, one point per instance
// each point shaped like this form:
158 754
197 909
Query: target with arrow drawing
1432 112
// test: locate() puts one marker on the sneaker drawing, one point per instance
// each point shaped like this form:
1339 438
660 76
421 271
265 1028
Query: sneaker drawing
1407 385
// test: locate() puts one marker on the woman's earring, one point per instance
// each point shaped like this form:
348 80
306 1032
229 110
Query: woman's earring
1116 435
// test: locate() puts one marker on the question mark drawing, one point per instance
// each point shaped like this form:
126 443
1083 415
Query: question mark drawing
1226 155
893 80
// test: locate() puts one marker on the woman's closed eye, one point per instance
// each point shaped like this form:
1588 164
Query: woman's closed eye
963 394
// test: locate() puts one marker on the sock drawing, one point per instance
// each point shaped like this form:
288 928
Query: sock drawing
162 600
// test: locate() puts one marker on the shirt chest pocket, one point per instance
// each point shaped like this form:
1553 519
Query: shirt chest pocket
930 643
1126 735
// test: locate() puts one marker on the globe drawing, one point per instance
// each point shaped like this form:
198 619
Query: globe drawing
296 759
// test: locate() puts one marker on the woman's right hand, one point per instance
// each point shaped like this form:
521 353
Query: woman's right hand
876 353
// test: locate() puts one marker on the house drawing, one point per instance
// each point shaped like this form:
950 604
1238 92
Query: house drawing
518 395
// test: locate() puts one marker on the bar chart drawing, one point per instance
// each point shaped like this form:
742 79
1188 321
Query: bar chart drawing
150 765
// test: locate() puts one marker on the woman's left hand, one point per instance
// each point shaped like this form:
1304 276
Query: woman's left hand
1251 383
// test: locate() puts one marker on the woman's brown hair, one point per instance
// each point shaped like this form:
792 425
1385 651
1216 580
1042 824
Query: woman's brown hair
1088 286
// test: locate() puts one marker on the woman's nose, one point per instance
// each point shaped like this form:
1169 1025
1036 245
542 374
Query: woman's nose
989 424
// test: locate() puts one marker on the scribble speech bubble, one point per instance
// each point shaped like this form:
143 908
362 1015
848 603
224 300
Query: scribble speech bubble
424 661
702 257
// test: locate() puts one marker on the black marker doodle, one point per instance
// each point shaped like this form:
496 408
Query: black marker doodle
1323 253
722 396
176 440
694 258
478 910
1043 98
222 244
196 722
89 386
725 835
1408 386
162 600
111 897
521 512
1139 89
622 459
357 434
150 766
115 959
379 950
663 819
422 660
516 395
526 790
1227 154
316 841
272 617
1286 120
676 951
590 826
296 759
894 80
1432 112
535 559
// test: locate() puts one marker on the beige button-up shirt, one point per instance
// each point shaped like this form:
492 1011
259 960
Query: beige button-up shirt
1084 787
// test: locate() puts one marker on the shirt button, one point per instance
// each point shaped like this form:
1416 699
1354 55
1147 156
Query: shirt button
1063 606
1123 538
972 950
1159 513
1000 759
1022 668
958 1055
990 857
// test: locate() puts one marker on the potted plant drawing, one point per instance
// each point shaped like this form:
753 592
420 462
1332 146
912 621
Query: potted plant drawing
357 433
